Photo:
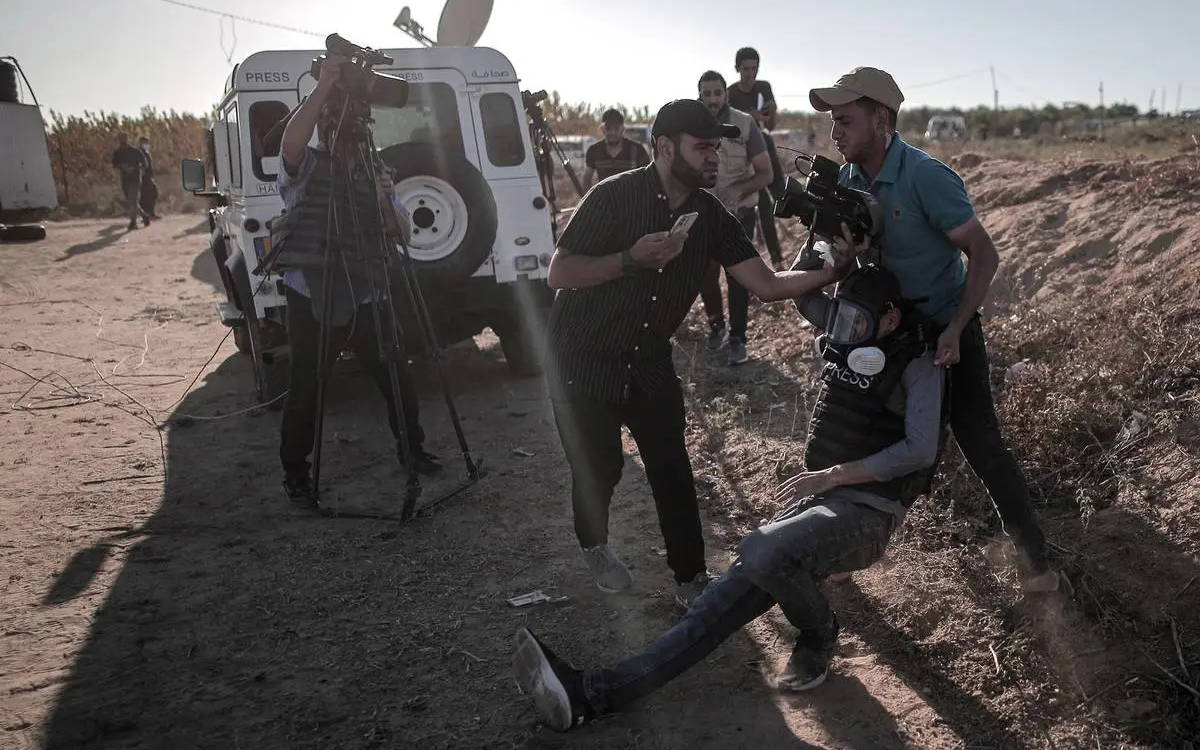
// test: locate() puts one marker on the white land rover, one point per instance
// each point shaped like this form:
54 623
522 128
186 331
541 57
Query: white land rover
464 169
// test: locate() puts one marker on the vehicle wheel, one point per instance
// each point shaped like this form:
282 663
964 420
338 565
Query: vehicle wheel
22 232
451 207
523 338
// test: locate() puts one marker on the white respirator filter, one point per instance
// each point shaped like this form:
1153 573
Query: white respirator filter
866 360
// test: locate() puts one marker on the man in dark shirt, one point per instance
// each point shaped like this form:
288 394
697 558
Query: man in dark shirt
614 154
624 285
149 191
752 95
130 164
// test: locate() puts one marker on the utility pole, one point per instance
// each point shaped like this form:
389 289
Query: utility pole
1163 105
995 103
1151 107
1178 99
1102 110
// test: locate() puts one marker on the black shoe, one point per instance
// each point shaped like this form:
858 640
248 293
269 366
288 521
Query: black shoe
427 463
298 488
809 664
133 224
737 351
145 221
555 686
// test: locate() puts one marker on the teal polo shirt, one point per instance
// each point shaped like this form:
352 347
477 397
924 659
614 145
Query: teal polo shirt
922 199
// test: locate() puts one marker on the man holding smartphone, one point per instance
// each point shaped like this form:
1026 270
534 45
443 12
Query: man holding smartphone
754 95
625 283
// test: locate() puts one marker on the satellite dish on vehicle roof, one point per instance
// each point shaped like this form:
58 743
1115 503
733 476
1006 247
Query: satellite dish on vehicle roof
463 21
405 17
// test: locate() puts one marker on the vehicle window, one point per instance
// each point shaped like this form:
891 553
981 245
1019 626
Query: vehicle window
501 130
235 147
263 117
430 116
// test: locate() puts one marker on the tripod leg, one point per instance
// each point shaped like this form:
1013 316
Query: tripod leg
324 343
387 335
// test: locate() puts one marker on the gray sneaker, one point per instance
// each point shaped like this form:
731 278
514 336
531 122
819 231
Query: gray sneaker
687 592
737 352
716 336
610 573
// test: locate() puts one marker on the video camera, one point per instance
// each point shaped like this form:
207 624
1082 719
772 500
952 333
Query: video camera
823 205
358 82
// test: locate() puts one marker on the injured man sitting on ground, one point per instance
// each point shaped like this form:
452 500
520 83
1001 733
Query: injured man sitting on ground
873 441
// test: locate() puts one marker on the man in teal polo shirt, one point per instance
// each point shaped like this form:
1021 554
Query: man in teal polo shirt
928 225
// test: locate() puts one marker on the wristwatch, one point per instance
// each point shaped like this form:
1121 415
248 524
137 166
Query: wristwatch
628 267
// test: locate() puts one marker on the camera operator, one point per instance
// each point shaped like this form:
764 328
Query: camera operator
624 285
928 224
305 183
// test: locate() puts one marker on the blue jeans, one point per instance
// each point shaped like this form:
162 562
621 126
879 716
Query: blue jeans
780 563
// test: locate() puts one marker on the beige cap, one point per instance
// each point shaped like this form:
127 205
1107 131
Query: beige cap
872 83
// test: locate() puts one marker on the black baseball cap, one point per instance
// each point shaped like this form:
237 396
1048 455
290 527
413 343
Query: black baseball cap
613 115
691 117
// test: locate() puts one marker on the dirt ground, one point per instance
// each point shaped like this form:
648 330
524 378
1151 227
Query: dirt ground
159 590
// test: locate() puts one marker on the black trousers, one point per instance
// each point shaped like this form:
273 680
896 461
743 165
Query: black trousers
149 196
300 411
739 298
590 431
977 430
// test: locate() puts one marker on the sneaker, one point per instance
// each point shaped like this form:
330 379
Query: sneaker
427 463
717 335
610 573
133 224
687 592
145 221
737 352
555 686
298 488
808 665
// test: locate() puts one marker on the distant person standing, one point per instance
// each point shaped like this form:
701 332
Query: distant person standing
744 170
149 193
615 154
130 163
752 95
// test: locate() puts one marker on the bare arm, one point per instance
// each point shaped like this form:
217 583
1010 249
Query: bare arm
763 174
299 129
768 285
974 241
588 173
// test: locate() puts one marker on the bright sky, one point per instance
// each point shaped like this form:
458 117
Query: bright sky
118 55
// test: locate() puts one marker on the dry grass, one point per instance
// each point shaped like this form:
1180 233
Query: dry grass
81 150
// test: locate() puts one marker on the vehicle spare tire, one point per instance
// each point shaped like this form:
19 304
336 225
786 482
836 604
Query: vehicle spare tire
451 206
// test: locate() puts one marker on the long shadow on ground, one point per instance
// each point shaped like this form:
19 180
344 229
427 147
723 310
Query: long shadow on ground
105 237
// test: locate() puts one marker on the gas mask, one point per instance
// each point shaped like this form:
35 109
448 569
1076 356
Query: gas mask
852 320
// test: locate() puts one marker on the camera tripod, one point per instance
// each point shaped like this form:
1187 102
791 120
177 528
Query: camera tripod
370 257
546 145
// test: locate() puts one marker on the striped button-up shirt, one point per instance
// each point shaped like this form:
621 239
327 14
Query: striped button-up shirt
609 340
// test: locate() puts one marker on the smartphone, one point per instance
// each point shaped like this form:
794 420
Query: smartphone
684 223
